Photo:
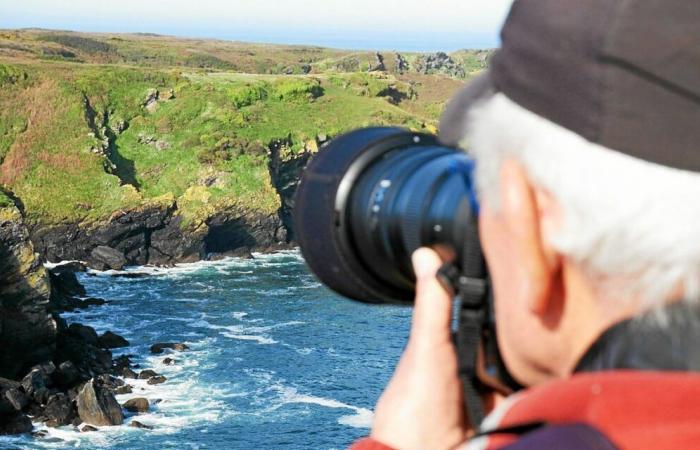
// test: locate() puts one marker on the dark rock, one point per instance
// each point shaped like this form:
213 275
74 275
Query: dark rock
109 381
122 361
47 368
35 385
76 421
161 346
65 282
27 330
104 258
128 373
6 383
146 374
439 62
157 400
39 434
112 340
59 410
126 389
84 332
401 64
157 236
17 399
137 405
169 361
66 375
88 428
15 424
137 424
97 405
378 65
158 379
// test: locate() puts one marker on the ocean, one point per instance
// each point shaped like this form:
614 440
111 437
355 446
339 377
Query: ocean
276 360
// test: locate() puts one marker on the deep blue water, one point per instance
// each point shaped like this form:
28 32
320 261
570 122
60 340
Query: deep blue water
276 362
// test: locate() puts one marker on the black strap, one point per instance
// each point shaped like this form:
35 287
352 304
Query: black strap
470 283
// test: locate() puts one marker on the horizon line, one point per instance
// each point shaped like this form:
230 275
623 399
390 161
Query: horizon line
262 41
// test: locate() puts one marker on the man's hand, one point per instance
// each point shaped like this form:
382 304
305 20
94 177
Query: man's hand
422 406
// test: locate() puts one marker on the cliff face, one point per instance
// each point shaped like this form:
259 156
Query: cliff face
158 236
27 329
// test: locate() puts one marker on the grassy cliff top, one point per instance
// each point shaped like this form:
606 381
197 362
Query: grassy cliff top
91 124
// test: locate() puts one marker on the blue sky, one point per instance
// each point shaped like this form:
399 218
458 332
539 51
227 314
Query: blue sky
382 24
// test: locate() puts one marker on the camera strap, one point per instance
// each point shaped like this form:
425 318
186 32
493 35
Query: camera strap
470 282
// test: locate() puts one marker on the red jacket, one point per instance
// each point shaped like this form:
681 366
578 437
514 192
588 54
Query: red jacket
630 409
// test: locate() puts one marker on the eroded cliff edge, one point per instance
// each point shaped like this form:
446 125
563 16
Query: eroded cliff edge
27 328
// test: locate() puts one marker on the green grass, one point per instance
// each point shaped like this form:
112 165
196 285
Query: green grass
204 144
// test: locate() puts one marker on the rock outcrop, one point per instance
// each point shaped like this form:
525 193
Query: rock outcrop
156 235
439 62
27 328
97 405
137 405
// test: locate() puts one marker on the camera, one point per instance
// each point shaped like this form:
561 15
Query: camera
371 197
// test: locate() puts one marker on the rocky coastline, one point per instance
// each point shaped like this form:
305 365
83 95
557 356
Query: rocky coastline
52 372
158 235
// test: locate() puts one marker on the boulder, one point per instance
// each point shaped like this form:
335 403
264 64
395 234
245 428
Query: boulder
17 399
169 361
35 385
88 428
161 346
137 405
122 361
15 424
104 258
126 389
148 373
137 424
85 333
112 340
158 379
109 381
66 375
128 373
97 405
59 410
6 383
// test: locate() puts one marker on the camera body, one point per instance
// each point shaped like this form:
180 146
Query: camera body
373 196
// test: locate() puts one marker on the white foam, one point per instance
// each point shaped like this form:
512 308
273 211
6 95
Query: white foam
361 419
250 337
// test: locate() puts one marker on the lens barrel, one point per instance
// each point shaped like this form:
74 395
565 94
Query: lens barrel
370 198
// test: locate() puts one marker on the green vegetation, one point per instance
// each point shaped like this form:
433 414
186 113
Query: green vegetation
135 124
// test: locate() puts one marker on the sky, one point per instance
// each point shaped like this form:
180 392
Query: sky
408 25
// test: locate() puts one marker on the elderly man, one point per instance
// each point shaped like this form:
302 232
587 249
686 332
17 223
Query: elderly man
586 134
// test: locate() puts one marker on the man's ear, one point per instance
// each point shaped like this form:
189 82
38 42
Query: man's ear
528 215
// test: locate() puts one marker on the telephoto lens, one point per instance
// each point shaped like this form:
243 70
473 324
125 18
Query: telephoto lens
371 197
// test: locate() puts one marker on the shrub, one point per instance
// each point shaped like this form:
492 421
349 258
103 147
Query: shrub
247 94
298 89
11 75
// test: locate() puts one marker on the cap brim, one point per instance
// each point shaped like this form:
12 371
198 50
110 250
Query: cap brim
453 122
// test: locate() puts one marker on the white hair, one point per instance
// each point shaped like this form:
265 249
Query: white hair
628 222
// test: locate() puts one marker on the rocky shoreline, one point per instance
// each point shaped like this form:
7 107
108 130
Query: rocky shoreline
78 383
53 372
156 234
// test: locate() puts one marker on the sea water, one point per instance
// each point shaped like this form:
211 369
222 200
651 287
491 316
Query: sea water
276 360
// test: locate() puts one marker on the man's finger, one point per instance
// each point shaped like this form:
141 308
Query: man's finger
432 314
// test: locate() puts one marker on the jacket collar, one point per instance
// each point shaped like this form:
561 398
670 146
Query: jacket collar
666 340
